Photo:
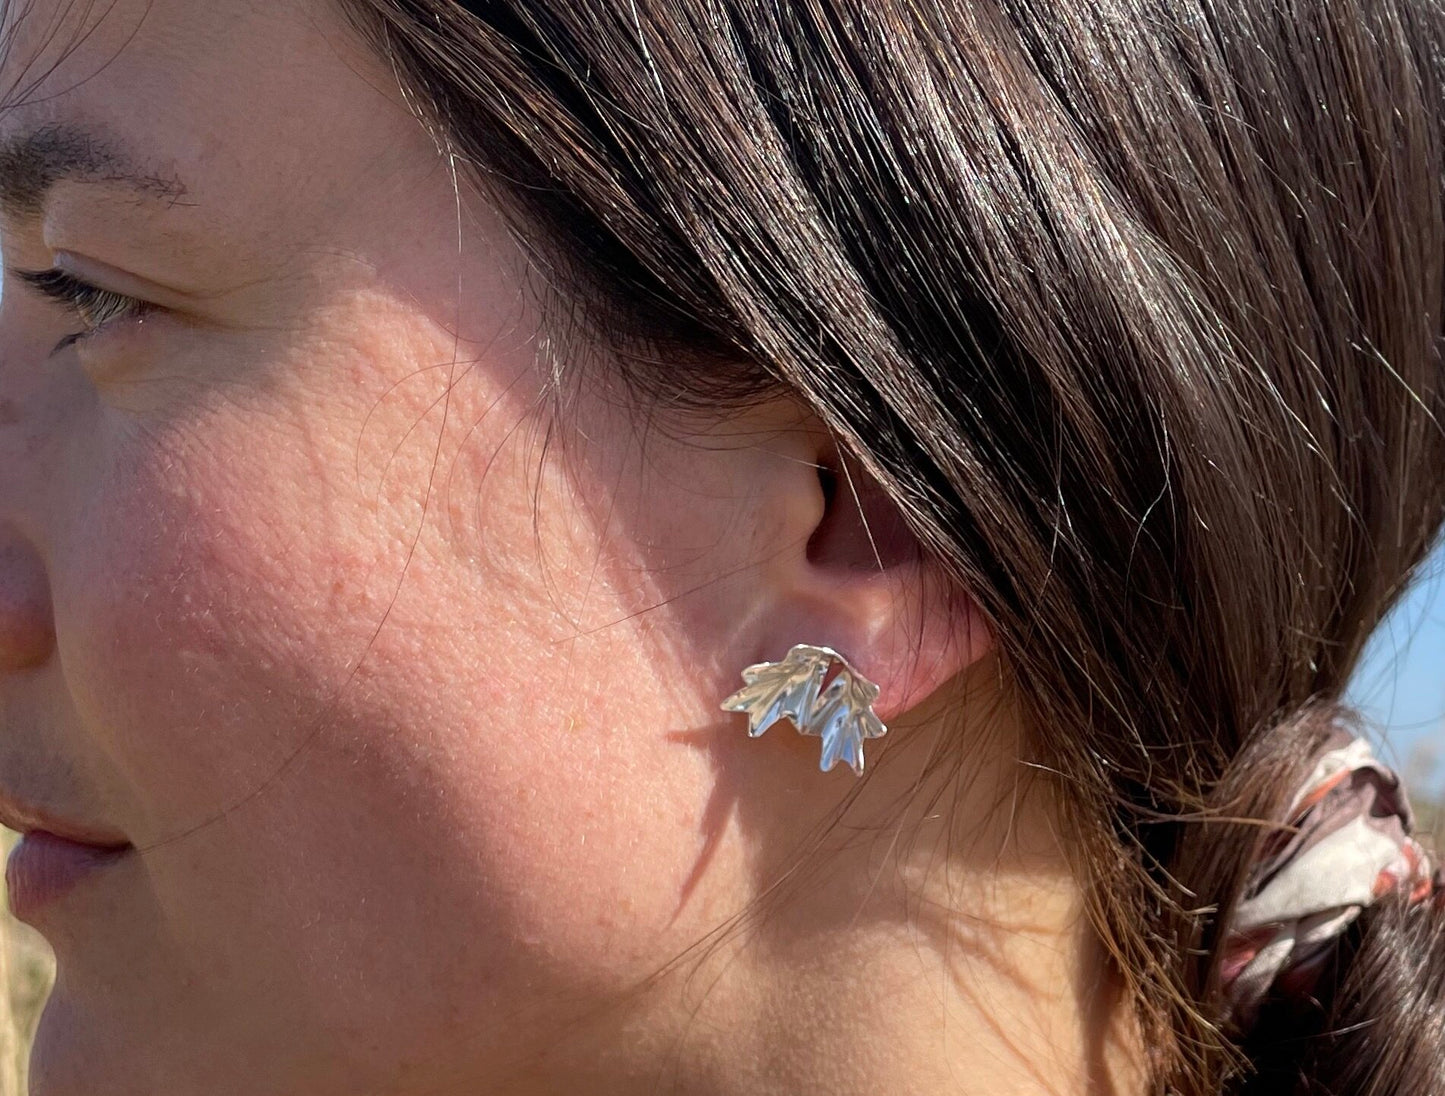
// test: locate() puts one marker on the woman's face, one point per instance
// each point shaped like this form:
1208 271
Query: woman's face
404 690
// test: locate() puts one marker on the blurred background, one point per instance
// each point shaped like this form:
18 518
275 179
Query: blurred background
1399 686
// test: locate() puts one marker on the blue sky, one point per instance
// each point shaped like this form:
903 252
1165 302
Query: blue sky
1400 683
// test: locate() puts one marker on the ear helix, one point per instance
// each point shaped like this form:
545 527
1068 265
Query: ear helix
840 711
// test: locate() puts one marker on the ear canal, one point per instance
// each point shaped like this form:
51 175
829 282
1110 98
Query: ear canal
862 528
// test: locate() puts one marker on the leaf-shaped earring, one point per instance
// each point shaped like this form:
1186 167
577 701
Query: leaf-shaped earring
840 713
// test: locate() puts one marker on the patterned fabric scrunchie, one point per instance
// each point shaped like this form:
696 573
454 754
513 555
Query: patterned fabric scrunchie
1349 844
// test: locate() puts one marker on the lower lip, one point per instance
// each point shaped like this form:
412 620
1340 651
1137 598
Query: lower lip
43 867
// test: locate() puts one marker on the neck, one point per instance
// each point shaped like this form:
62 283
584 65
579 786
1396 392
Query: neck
890 967
999 992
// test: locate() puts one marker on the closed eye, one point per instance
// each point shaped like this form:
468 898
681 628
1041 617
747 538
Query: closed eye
93 307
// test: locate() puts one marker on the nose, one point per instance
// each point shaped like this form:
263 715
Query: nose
27 626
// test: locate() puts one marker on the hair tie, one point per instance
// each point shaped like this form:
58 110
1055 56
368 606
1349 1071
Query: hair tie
1349 844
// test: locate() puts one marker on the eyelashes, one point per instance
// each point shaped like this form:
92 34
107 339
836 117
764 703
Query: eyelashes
94 307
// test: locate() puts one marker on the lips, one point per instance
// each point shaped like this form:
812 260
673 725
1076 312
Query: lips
43 868
24 817
53 856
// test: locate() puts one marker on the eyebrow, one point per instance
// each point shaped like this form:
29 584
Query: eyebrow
34 161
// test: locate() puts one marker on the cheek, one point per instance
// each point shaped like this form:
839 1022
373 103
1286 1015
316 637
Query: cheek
202 625
234 556
444 760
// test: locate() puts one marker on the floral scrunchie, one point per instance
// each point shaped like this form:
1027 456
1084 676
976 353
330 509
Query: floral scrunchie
1349 844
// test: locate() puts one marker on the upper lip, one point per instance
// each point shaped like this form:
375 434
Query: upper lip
24 817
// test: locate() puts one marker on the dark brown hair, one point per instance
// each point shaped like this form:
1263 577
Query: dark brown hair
1133 307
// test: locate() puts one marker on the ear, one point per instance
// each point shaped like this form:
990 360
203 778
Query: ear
852 576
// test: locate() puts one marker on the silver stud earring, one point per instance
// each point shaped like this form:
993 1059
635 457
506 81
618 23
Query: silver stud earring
841 712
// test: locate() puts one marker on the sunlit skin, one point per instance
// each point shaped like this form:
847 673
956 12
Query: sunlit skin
406 688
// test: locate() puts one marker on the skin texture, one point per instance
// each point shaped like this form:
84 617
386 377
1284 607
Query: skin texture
404 685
